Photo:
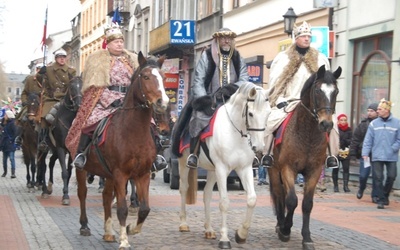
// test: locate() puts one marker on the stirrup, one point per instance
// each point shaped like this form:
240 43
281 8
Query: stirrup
332 162
191 164
256 162
267 161
159 164
76 164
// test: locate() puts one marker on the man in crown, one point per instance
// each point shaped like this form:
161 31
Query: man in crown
290 69
220 68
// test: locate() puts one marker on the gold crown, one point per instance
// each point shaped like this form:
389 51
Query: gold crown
302 30
386 104
113 32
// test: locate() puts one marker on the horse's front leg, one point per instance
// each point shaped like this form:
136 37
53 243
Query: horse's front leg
291 202
64 175
307 205
120 182
52 163
82 192
246 177
142 188
208 189
108 192
224 242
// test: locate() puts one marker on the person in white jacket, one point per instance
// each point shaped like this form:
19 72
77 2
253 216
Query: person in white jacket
290 69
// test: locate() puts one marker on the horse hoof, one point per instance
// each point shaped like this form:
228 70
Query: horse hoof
282 237
85 231
109 238
210 235
66 202
45 196
224 245
184 228
238 239
308 246
125 248
50 188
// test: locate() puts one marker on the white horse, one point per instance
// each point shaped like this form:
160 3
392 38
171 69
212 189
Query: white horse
238 133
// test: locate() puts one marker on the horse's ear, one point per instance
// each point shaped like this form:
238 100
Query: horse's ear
321 72
142 60
337 73
160 60
252 92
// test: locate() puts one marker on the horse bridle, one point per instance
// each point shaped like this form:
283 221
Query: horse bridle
73 106
246 114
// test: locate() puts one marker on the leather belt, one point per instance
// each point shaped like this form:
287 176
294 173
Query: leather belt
121 89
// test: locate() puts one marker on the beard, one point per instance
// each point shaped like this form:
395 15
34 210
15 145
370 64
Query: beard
226 48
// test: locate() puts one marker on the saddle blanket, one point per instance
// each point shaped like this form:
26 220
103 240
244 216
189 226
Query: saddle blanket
207 132
281 129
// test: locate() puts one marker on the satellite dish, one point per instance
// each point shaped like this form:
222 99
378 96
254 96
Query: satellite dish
131 23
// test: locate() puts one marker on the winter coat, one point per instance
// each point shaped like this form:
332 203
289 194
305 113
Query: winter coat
345 140
358 138
383 139
8 136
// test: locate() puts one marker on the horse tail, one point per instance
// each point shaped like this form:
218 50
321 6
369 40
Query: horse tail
179 128
191 195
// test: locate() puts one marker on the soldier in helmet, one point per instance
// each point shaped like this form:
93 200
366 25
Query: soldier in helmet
219 66
55 80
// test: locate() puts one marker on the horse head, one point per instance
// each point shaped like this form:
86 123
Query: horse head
255 111
150 82
33 105
319 96
73 97
162 121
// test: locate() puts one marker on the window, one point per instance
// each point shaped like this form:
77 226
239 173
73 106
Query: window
371 81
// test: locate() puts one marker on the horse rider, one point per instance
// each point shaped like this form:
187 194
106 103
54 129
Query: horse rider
55 81
220 65
290 69
32 86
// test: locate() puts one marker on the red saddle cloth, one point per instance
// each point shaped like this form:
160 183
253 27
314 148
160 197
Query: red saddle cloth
207 132
281 129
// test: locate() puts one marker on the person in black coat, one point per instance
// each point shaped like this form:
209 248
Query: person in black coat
356 148
7 143
345 134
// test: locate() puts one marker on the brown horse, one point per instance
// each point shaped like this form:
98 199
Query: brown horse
303 150
128 152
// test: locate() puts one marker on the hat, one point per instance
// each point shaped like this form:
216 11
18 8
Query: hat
10 114
385 104
113 32
340 116
60 52
224 32
373 106
302 30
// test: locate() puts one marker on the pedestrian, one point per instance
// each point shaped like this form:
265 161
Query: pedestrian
345 134
7 142
262 175
55 80
356 148
382 142
219 66
290 69
106 77
321 182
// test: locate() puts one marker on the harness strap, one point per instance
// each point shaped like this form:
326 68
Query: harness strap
98 131
206 151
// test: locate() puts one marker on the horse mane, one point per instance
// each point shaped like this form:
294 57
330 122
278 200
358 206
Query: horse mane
245 89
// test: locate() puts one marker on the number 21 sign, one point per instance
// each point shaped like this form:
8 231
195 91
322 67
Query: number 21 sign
182 32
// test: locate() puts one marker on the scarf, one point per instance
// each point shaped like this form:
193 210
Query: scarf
343 127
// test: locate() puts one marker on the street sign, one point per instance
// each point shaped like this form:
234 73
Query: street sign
182 32
320 39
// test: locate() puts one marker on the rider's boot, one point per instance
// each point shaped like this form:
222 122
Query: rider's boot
193 157
159 164
268 160
80 158
331 161
44 134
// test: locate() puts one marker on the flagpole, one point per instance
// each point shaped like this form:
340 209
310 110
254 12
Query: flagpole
44 46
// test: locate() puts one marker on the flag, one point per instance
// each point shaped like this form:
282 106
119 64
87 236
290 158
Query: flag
43 43
117 17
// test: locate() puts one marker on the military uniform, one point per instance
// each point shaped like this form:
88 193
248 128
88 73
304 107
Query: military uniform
32 86
55 84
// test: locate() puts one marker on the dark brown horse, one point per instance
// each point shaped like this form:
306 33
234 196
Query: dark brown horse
128 152
303 150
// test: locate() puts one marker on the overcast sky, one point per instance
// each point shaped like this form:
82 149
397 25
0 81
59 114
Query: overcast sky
21 28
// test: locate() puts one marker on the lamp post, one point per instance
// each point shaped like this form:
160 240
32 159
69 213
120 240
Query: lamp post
288 20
